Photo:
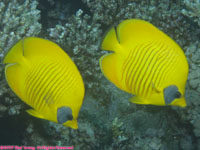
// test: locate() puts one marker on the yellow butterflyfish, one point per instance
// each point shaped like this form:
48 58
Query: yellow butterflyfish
44 77
146 63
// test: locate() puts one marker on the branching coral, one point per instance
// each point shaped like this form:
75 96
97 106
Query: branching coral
18 19
192 10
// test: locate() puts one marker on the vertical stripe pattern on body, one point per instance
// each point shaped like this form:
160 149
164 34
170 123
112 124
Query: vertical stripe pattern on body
46 83
147 65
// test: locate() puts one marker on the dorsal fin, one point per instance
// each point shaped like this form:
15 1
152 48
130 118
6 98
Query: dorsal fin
139 31
15 54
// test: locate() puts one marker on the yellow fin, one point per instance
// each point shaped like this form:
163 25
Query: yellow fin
138 100
32 47
157 90
72 124
179 102
110 41
37 47
135 31
15 54
108 65
15 76
34 113
15 70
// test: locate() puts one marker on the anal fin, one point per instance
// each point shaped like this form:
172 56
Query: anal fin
138 100
156 89
34 113
15 75
109 66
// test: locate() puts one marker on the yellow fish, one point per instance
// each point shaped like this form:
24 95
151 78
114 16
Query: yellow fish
45 78
146 63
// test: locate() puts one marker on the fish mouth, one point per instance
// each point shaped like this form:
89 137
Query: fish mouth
181 102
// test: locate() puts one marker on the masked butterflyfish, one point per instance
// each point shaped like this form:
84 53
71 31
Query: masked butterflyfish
145 62
44 77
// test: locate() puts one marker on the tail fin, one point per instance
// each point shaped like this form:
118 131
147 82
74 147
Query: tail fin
15 54
14 72
110 41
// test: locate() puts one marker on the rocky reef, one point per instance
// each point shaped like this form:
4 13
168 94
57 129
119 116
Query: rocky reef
107 119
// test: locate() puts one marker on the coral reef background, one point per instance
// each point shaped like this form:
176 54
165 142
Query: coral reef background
107 119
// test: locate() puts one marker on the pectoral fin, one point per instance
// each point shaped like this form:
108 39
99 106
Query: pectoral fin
156 89
138 100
